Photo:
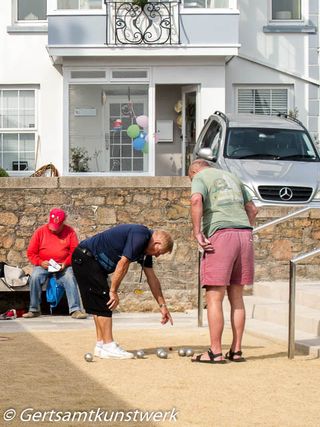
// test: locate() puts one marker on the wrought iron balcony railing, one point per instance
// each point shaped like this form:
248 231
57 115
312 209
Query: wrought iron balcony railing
138 23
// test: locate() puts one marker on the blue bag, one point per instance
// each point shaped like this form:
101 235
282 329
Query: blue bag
54 292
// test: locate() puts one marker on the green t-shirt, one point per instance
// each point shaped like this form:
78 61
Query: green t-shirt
224 197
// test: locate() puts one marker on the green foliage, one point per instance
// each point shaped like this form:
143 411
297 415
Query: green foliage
79 159
3 173
140 3
294 113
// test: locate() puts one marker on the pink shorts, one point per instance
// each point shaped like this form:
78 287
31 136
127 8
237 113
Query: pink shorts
232 262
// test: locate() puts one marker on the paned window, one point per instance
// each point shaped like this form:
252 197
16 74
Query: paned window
17 129
79 4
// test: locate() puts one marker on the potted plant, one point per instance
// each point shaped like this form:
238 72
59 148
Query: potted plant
79 159
140 3
3 173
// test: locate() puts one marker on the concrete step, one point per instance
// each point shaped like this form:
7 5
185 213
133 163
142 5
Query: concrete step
306 319
304 343
307 292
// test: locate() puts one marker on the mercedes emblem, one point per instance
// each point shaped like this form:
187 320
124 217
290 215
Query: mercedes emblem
286 193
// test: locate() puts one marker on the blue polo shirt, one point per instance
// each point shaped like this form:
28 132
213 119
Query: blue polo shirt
129 240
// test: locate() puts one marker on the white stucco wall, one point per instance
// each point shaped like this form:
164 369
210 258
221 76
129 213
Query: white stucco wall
241 72
25 60
284 50
267 59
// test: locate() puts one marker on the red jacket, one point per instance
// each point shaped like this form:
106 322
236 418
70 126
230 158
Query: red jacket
45 245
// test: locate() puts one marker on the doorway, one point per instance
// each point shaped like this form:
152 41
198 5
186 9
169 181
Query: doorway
189 125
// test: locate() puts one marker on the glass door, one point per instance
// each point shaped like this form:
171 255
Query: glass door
189 125
120 153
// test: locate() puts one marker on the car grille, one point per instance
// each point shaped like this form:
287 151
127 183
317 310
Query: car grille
289 194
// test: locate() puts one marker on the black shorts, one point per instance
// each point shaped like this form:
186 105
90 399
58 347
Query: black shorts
93 283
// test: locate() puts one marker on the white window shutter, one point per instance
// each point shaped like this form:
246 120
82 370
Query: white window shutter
266 101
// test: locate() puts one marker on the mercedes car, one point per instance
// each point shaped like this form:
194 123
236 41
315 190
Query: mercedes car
274 156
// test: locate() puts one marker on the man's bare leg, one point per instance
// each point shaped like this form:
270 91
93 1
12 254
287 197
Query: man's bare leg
214 297
103 328
237 316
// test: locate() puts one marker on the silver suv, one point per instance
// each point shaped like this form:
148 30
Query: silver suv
273 156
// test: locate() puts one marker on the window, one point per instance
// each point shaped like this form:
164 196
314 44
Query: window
285 10
31 10
208 4
268 101
79 4
108 130
17 129
212 137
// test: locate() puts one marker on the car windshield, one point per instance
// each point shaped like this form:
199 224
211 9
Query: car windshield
272 144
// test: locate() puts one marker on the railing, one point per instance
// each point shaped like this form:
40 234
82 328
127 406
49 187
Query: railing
292 298
292 284
143 23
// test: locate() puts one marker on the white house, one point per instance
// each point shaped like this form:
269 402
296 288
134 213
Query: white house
129 87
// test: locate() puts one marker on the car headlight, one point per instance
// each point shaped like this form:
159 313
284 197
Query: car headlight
317 195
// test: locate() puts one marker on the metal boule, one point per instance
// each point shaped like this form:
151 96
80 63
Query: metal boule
189 352
88 357
182 352
163 355
159 350
140 354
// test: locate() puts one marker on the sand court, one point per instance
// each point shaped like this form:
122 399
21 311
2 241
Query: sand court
46 370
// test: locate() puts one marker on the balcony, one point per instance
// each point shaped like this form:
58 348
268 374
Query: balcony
153 29
152 23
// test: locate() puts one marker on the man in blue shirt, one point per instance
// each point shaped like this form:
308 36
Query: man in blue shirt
112 251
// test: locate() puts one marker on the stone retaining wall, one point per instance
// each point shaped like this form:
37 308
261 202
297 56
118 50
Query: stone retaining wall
96 203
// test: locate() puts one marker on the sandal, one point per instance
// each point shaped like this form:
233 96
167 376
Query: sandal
230 355
212 358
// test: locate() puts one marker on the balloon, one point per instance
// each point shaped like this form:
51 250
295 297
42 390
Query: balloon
156 137
117 124
179 120
145 148
142 121
133 131
138 143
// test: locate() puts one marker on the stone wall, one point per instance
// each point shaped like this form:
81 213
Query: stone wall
96 203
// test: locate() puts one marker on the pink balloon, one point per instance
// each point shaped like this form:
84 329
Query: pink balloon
142 121
156 137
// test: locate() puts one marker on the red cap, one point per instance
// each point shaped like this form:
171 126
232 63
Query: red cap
56 218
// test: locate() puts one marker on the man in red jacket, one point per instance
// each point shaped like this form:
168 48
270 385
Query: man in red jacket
50 250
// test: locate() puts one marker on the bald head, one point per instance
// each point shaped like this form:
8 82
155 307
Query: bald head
196 166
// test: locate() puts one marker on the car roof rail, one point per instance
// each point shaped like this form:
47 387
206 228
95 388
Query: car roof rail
222 115
293 119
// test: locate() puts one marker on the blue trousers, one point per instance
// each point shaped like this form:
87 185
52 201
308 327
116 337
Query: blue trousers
65 278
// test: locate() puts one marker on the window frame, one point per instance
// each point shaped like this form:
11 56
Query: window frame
288 88
17 21
303 12
79 9
19 131
233 8
68 80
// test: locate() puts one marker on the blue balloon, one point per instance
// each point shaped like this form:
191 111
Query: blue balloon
138 143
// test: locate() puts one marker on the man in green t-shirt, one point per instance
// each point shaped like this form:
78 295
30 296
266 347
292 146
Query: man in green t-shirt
222 216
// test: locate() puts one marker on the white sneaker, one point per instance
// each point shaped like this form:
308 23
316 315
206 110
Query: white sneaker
114 351
97 351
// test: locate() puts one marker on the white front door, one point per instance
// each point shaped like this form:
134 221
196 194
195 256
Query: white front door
119 154
190 124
